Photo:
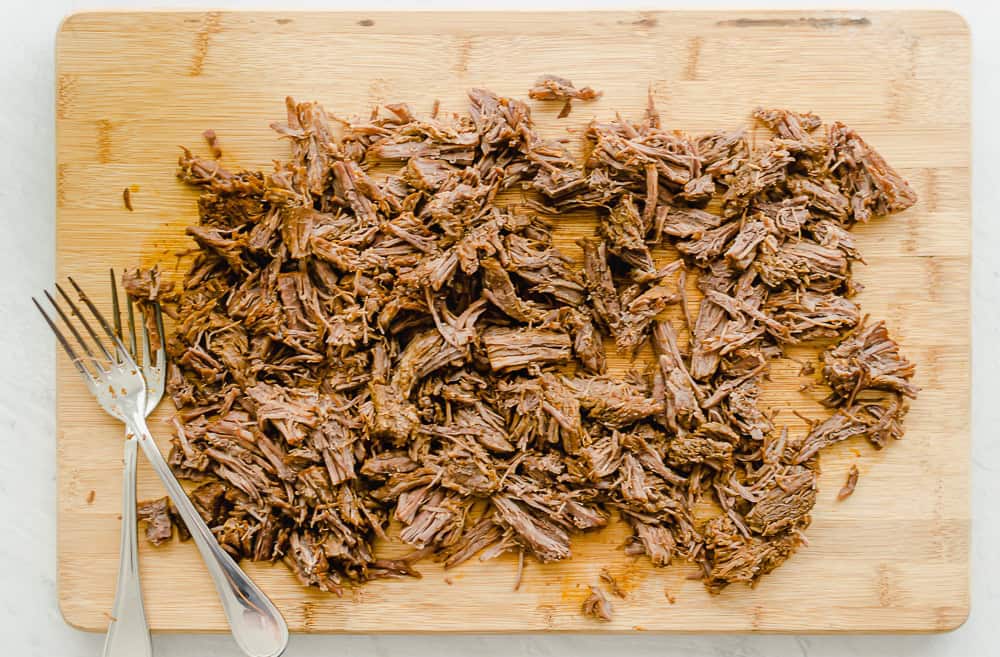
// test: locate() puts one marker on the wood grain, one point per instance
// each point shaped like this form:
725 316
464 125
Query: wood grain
131 87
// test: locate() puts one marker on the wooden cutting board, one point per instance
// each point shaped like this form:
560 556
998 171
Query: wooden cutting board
131 87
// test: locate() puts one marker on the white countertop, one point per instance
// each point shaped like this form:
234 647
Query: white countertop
30 623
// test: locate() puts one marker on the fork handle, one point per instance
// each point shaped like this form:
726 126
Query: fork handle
256 624
128 633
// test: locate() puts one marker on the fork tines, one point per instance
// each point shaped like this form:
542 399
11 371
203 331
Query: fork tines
97 357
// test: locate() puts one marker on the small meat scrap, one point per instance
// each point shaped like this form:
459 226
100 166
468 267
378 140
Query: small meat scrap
612 583
387 327
156 515
597 605
553 87
852 481
146 285
875 421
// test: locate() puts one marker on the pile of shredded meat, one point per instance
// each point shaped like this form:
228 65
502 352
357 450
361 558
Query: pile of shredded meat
352 347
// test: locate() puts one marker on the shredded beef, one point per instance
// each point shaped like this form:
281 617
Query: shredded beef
366 333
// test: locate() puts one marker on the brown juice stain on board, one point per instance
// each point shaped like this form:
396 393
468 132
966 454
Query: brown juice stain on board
693 55
201 42
366 22
629 577
104 128
464 51
282 21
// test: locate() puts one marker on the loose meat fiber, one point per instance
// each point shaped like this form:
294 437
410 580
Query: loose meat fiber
352 348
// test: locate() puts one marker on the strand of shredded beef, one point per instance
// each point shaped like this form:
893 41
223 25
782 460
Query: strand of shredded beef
353 349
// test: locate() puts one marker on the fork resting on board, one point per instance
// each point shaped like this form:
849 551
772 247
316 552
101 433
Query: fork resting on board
113 376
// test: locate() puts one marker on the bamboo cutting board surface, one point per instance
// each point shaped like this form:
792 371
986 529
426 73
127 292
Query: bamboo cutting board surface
131 87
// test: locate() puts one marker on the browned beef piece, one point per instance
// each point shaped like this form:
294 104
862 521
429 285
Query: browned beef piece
627 314
742 410
785 503
553 87
545 540
823 196
156 515
394 417
425 354
764 170
146 284
625 232
702 445
802 261
597 605
832 235
600 284
509 348
308 561
427 174
809 315
612 403
866 359
795 130
848 488
704 352
388 463
873 186
710 244
622 150
500 290
588 343
653 540
722 153
680 392
786 217
875 421
210 501
732 557
743 249
639 310
683 222
699 190
476 538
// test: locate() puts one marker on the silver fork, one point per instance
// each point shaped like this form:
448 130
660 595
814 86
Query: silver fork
128 632
115 379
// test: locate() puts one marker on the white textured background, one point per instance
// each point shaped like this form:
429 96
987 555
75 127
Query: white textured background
30 624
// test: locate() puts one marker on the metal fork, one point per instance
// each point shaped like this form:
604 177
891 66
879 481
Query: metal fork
116 380
128 632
